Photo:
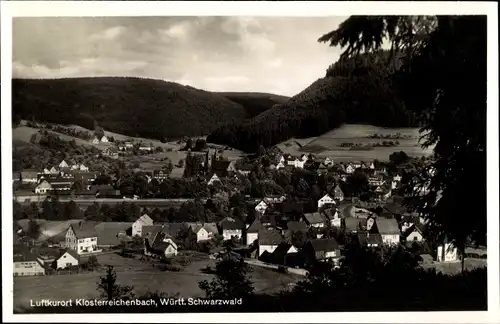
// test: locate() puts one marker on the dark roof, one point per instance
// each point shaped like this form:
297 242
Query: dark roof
417 227
70 252
351 224
368 238
387 226
270 237
296 226
326 245
29 173
230 223
255 227
84 229
314 218
330 213
25 256
112 233
220 165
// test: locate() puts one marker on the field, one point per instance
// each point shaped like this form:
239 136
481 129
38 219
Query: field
140 274
328 144
452 268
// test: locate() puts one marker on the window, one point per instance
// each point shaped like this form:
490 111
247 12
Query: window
94 239
414 238
81 248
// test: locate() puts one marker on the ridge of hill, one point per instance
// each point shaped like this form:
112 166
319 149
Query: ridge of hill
131 106
255 102
358 90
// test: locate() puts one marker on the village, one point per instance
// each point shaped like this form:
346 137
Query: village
286 230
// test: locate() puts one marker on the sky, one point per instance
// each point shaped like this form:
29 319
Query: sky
278 55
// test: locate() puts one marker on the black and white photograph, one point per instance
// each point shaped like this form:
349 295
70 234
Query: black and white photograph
213 162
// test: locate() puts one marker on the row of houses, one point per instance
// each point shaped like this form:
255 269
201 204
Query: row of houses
322 164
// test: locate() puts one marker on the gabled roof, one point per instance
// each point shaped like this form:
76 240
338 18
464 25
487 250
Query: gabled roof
70 252
314 218
351 224
84 229
330 213
145 220
112 233
269 237
387 226
296 226
255 227
327 196
326 245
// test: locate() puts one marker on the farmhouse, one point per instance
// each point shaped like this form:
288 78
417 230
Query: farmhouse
27 264
285 254
159 244
43 188
389 230
144 220
326 199
231 228
414 234
204 232
82 237
269 239
68 259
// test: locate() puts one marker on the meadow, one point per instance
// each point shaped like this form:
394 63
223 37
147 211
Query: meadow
329 143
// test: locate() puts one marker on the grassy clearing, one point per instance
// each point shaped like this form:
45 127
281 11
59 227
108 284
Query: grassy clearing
142 275
452 268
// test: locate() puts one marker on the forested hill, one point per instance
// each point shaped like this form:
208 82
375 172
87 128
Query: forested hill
131 106
359 90
255 102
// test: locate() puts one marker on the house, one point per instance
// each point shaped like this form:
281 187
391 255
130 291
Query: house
129 145
261 207
231 228
414 234
68 259
144 220
253 232
157 243
63 165
113 234
397 178
204 232
82 237
350 169
328 162
27 264
285 254
370 239
214 179
280 166
389 230
322 249
315 220
269 239
84 168
304 157
75 166
371 166
43 188
104 139
299 163
326 199
95 140
53 170
338 194
333 216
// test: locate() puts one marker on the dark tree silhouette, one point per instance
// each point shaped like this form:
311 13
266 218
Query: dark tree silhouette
110 290
230 281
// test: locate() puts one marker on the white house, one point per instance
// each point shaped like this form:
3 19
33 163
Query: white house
328 162
27 264
280 165
389 230
104 139
204 232
372 166
63 164
326 199
269 239
82 237
231 228
75 167
84 168
95 140
213 179
299 163
261 207
282 160
253 231
350 169
67 259
144 220
43 187
414 234
304 157
53 170
46 171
